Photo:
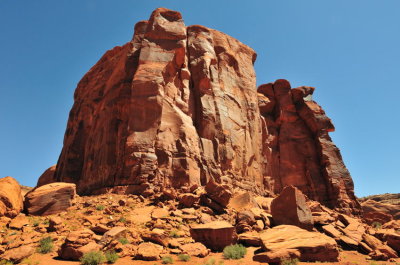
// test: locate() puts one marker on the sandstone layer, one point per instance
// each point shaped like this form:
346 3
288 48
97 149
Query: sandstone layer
178 107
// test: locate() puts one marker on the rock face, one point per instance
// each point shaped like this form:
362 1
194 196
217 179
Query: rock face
290 208
178 106
50 199
11 202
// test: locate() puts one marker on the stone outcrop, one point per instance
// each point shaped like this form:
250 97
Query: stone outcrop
47 176
178 107
290 208
11 202
50 199
214 235
311 246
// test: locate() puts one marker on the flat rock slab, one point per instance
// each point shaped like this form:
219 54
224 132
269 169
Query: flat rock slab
313 246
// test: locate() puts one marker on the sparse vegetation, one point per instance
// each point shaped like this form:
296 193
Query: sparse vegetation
93 258
122 220
289 262
111 256
184 257
212 261
167 260
376 225
5 262
45 245
234 251
29 261
123 241
100 207
174 234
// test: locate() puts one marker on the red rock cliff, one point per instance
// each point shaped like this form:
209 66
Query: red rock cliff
178 106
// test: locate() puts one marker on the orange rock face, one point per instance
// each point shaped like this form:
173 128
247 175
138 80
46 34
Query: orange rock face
298 150
178 106
11 201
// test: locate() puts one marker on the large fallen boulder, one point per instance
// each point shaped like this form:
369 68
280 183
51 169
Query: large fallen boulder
11 201
50 199
290 208
214 235
16 255
312 246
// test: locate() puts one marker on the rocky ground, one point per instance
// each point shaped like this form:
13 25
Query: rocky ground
144 230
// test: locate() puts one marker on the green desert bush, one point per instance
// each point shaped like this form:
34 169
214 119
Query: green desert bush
123 241
234 251
93 258
111 256
100 207
289 262
5 262
45 245
184 257
376 225
167 260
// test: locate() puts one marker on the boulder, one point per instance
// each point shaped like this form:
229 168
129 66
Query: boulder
219 193
391 236
114 233
47 176
19 222
290 208
11 201
50 199
188 199
380 251
149 251
313 246
158 236
215 235
377 217
195 249
250 239
277 256
16 255
76 244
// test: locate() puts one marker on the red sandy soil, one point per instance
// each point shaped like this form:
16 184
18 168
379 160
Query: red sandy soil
346 258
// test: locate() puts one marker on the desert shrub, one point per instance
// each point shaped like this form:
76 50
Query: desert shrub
174 234
100 207
289 262
184 257
5 262
93 258
45 245
122 220
29 261
234 251
111 256
376 225
167 260
123 241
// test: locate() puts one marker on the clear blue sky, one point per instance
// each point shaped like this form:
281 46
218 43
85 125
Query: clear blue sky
348 50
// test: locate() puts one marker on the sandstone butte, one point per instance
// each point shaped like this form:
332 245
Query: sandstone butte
178 106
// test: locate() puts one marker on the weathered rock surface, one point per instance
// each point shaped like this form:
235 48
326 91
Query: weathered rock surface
149 251
214 235
298 150
290 208
178 106
50 199
11 201
47 176
370 207
312 246
16 255
77 244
